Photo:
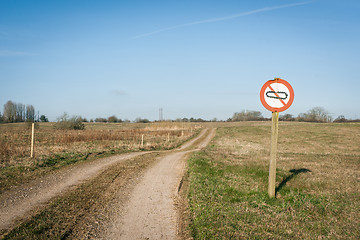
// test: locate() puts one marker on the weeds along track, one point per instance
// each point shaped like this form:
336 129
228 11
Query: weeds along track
30 199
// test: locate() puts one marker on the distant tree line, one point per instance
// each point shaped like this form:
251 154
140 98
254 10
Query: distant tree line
18 112
111 119
316 114
342 119
192 120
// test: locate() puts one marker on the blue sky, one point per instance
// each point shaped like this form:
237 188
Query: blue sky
204 59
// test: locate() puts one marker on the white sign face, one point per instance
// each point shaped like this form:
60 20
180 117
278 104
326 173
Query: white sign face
277 95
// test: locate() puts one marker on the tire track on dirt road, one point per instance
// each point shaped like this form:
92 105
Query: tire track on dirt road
150 212
23 200
16 203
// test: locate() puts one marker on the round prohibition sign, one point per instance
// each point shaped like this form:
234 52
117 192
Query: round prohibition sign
277 95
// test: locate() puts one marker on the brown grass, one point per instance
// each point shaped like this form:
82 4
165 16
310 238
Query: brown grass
15 139
56 148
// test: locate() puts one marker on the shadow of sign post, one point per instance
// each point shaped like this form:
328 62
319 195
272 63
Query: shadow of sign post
293 172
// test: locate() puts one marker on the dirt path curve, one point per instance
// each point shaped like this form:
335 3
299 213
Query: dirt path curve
18 202
150 213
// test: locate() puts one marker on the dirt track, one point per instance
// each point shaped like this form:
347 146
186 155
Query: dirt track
19 201
150 212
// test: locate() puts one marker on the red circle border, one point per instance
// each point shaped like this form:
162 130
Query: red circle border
267 106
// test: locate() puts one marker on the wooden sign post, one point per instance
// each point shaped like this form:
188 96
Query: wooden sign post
276 95
274 140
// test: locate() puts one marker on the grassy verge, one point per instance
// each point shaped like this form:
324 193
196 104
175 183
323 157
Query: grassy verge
317 184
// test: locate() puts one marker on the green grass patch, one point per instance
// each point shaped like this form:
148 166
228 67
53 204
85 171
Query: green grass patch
228 192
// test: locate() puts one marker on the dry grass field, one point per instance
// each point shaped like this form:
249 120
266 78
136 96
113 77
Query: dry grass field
55 148
318 183
317 190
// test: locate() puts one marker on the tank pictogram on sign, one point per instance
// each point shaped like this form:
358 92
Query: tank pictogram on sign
277 95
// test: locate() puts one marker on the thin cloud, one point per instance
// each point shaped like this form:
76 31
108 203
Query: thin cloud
118 92
226 18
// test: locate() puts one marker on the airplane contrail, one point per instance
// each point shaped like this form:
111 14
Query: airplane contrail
242 14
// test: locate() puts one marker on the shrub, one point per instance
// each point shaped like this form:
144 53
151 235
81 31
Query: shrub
43 118
286 117
340 119
101 120
73 123
113 119
142 120
316 114
247 116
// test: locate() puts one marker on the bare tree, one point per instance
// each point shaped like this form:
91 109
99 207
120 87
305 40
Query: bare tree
20 112
30 113
9 112
316 114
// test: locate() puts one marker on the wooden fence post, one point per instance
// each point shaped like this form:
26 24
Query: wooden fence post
32 139
142 140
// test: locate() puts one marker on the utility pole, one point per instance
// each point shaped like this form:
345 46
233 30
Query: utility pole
161 115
